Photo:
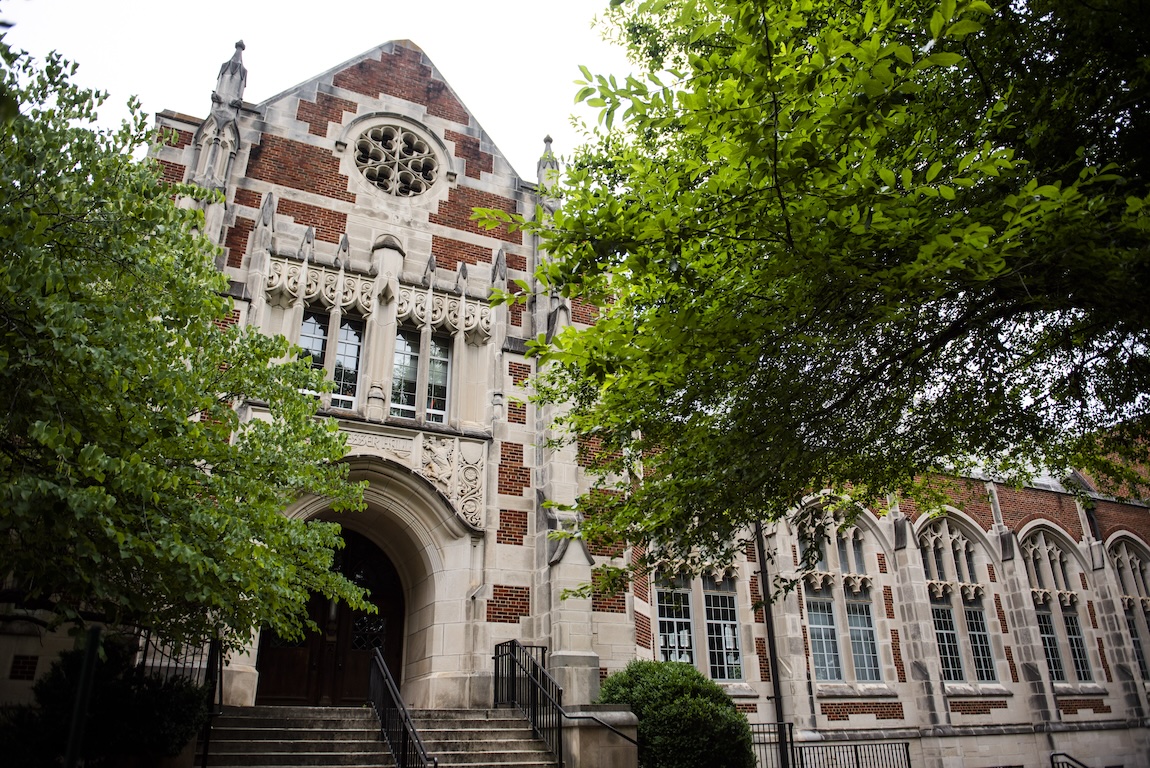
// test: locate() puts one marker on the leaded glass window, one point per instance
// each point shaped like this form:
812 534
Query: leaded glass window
824 640
864 652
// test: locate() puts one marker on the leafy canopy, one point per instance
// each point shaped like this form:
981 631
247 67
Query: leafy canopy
134 485
846 245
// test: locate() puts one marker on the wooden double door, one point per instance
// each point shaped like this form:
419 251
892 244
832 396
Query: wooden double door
331 666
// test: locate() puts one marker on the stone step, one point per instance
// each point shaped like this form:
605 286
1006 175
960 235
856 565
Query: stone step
472 735
277 733
290 755
298 744
349 737
493 757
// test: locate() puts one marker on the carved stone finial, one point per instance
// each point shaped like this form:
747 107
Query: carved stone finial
232 79
499 269
429 273
343 255
548 167
307 245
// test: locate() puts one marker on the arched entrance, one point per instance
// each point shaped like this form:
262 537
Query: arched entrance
331 666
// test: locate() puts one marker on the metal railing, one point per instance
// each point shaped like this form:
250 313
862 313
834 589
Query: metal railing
774 745
522 681
394 719
1063 760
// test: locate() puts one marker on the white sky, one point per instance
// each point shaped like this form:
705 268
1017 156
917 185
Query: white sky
512 62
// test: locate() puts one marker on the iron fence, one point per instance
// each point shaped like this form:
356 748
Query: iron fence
775 748
394 719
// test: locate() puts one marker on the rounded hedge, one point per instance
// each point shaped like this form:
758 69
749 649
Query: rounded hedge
685 720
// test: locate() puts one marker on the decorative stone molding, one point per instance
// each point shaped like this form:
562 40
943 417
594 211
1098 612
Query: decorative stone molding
818 580
972 592
939 589
455 466
421 306
1066 597
1145 603
857 583
1041 596
290 281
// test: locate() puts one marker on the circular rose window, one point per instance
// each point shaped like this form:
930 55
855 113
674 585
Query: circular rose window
396 160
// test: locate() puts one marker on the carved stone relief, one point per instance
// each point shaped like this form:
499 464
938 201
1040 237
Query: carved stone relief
455 466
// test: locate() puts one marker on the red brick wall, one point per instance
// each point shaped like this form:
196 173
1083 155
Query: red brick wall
455 212
1010 663
228 320
764 659
1021 506
641 585
508 604
516 261
590 453
881 557
1113 517
896 650
1001 614
1071 706
757 600
512 526
888 601
249 198
602 603
236 241
467 147
643 631
173 173
968 495
517 412
329 225
325 109
299 166
991 574
842 710
1105 663
403 74
747 708
449 253
514 478
582 312
518 372
976 707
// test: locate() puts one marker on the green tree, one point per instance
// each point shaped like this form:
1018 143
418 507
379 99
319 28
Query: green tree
134 486
852 245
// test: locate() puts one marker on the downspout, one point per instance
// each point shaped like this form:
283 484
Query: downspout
772 647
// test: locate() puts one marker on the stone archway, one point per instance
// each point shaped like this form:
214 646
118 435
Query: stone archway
331 665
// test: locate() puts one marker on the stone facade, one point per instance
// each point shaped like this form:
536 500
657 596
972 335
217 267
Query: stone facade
995 635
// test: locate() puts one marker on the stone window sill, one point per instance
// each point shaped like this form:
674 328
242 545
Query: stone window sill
973 689
854 690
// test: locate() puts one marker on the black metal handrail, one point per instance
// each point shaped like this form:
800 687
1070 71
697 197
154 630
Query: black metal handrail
213 680
1063 760
521 681
394 719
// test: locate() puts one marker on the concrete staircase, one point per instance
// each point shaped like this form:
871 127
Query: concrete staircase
480 738
286 737
343 737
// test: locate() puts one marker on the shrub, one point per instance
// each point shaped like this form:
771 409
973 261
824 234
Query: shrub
685 720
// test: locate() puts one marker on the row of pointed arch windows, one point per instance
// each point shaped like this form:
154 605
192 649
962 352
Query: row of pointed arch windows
955 569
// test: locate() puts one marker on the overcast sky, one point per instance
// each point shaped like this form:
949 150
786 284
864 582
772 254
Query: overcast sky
512 62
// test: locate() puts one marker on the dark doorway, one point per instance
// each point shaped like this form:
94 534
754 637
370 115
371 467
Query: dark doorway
331 666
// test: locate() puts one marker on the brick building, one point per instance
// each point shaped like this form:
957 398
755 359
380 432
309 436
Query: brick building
994 635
